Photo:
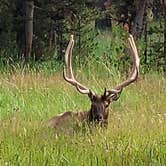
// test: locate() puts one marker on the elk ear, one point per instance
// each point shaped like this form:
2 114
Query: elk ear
91 95
106 98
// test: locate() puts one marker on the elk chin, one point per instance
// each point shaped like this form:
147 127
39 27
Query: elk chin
101 123
98 121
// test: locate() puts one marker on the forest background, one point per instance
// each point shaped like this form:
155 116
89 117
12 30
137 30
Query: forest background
39 30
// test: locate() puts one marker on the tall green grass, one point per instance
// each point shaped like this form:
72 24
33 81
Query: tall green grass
30 95
136 134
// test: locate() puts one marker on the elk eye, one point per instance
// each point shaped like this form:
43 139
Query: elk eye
106 105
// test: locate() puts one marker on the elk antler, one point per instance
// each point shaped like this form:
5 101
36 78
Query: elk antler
68 71
114 94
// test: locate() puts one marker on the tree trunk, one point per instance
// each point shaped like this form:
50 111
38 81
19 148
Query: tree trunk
103 23
51 35
146 43
29 10
164 4
60 41
138 26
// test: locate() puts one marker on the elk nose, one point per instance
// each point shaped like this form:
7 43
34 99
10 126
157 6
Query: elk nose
99 117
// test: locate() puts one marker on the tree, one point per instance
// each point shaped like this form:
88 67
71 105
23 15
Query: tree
104 21
164 11
29 10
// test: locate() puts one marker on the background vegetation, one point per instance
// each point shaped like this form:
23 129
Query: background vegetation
32 89
135 134
39 30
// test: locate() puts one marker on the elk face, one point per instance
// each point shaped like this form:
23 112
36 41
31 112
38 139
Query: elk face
99 108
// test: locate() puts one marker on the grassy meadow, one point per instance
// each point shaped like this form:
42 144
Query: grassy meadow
136 134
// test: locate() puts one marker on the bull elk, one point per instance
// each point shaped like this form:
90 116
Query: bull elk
99 110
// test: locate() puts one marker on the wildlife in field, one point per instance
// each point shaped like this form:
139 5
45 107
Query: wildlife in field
99 111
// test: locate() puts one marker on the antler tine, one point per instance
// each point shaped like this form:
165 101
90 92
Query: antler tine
68 71
68 56
115 93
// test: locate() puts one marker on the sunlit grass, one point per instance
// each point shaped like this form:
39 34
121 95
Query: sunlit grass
136 133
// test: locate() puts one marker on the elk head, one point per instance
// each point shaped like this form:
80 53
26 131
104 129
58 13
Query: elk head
100 103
